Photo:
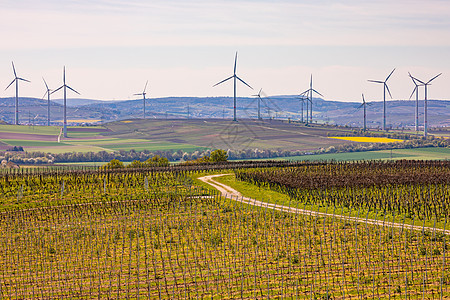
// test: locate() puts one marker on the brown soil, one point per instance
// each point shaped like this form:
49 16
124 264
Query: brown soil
26 136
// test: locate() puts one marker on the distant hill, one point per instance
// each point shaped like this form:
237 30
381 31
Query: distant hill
79 102
400 113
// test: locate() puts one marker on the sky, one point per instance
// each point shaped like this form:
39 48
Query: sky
112 47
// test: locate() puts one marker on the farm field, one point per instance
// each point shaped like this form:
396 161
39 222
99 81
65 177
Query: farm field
143 233
397 154
81 139
187 136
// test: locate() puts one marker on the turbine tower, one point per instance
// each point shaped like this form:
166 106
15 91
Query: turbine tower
425 129
143 95
64 87
385 87
310 92
259 103
234 77
47 92
416 90
16 80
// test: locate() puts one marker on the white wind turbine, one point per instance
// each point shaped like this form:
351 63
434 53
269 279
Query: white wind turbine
416 91
259 103
309 92
385 87
47 92
16 80
425 129
235 78
143 95
64 87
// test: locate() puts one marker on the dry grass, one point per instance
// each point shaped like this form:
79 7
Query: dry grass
364 139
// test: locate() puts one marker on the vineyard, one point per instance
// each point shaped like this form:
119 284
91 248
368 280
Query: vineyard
412 188
155 234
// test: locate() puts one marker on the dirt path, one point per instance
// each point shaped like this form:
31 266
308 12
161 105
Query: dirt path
231 193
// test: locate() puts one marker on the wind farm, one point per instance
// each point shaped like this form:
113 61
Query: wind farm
290 176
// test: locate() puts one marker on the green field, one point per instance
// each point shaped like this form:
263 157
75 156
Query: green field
45 130
31 143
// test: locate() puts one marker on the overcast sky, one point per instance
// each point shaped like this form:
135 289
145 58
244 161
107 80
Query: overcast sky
111 47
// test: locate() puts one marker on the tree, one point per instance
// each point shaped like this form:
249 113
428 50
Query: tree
114 164
157 161
218 155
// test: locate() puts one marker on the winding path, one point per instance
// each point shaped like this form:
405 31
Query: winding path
230 193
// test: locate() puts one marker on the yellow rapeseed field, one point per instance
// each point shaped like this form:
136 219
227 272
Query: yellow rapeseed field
127 121
364 139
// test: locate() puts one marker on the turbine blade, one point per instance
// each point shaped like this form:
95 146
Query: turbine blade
145 86
305 92
14 69
23 79
364 101
57 89
423 83
361 105
64 75
434 78
244 82
414 90
45 84
413 79
72 89
223 80
387 88
235 63
317 92
140 94
376 81
10 84
390 75
263 94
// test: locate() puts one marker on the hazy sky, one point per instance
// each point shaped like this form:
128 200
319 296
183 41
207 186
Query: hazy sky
111 47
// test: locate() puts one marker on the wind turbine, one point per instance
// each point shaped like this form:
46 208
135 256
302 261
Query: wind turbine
143 95
64 87
385 87
363 105
310 92
234 79
259 103
47 92
302 99
425 130
416 90
16 80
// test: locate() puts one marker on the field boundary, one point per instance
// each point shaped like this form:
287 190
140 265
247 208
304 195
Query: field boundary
230 193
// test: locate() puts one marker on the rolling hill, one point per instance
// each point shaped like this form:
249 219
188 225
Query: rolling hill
400 113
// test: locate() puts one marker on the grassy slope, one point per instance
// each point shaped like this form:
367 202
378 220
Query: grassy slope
267 195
